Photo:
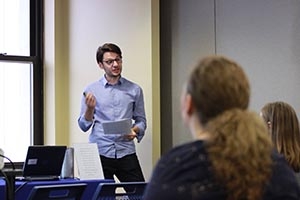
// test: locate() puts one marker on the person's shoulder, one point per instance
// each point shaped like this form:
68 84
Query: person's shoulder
126 81
195 145
280 163
278 158
95 83
190 158
283 182
185 151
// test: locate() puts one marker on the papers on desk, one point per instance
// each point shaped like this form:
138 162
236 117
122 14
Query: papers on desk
117 127
88 161
1 158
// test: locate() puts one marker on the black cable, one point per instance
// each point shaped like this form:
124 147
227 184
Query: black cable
6 180
11 162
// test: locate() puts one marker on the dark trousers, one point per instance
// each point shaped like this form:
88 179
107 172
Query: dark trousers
126 169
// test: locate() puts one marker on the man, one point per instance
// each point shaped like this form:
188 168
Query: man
114 98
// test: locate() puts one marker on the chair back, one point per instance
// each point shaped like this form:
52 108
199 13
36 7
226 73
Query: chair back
57 192
120 191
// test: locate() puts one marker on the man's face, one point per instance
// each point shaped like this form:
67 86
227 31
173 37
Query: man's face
111 64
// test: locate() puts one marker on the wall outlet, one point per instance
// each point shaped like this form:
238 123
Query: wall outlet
1 159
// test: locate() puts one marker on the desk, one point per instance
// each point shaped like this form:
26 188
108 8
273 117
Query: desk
23 188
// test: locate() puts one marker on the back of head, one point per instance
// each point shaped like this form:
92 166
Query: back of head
283 126
218 84
239 147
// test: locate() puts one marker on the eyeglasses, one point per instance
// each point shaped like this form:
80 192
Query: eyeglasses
111 61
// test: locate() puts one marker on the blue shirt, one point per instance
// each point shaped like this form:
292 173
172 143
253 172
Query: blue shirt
114 102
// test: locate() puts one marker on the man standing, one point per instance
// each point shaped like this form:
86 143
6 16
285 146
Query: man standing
114 98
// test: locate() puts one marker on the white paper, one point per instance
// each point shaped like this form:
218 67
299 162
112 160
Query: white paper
117 127
88 161
1 159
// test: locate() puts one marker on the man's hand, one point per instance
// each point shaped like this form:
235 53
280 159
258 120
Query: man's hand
131 135
90 102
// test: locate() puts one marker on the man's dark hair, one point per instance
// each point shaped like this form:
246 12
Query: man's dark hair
107 47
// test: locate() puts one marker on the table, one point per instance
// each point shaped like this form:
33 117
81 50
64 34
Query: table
23 188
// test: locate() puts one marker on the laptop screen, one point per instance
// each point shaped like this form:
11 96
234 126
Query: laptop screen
44 161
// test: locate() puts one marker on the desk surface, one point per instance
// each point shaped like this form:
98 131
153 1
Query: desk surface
23 188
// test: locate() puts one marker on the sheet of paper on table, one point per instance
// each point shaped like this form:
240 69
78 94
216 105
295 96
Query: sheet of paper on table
88 161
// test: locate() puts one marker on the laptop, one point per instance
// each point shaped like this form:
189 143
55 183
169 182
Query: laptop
43 163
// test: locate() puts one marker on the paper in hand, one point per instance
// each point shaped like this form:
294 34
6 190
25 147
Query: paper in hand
117 127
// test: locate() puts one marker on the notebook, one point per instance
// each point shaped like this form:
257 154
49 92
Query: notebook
43 162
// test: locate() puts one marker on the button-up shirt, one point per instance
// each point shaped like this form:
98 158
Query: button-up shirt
114 102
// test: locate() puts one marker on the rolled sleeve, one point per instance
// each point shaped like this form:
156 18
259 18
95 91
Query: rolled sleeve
84 124
141 132
139 115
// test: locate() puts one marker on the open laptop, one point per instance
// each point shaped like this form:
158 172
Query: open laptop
43 163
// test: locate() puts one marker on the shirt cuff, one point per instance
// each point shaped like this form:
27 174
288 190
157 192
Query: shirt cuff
85 124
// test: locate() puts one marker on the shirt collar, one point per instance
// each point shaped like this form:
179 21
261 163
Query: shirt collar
104 82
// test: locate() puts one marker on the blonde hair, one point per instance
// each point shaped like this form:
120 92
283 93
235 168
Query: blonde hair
240 151
284 130
240 148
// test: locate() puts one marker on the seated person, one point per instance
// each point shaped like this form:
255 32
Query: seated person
283 125
232 156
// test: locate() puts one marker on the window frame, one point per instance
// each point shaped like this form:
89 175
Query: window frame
36 58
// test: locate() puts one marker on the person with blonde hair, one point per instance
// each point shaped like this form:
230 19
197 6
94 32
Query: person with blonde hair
232 156
283 125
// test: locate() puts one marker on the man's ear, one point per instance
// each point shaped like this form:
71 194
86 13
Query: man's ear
100 65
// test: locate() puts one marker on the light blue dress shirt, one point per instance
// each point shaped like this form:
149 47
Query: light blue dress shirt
114 102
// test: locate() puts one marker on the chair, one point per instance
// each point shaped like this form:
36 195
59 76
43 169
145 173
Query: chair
57 192
111 191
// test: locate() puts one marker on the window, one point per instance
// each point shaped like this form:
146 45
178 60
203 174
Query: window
21 77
